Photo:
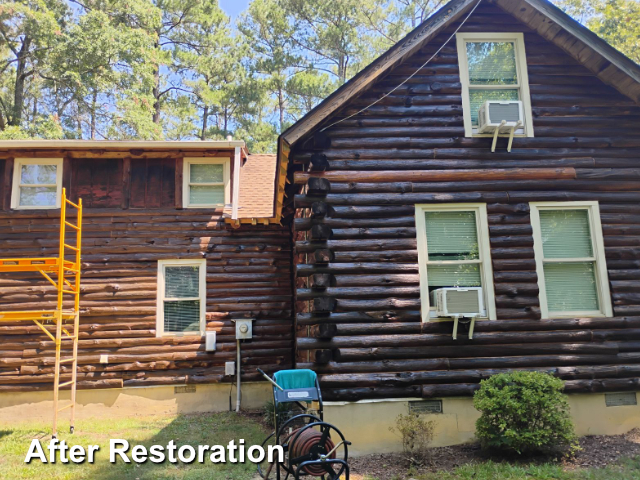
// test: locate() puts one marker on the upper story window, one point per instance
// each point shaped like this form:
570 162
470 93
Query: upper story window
206 182
453 251
493 66
37 183
570 261
181 297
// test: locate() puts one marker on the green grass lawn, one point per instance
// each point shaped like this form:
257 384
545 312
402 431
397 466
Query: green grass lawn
219 429
206 429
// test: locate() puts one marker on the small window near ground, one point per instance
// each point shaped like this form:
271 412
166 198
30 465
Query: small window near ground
453 251
493 66
181 297
572 273
206 182
37 183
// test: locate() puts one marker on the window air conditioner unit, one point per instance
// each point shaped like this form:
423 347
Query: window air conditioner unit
500 115
465 302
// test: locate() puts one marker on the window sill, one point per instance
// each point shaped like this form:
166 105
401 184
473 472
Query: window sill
36 208
450 319
502 135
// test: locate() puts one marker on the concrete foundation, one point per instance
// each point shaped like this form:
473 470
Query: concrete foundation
129 402
366 423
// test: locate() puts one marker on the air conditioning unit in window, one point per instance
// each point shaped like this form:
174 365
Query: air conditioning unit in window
500 117
493 113
459 303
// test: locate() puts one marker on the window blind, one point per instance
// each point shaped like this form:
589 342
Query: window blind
206 173
182 298
206 195
570 286
566 234
451 235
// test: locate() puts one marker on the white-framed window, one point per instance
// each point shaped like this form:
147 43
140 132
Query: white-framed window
570 260
182 296
206 182
493 66
37 183
453 251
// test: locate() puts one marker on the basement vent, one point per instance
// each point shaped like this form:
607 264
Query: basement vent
427 406
620 399
185 389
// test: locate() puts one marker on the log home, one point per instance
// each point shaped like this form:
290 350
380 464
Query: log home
179 239
399 196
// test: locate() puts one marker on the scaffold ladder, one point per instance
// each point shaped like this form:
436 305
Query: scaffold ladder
64 275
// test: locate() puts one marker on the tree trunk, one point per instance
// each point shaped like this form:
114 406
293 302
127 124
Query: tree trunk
205 118
156 88
94 101
21 76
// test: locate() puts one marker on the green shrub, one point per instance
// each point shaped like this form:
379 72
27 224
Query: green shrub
524 412
416 433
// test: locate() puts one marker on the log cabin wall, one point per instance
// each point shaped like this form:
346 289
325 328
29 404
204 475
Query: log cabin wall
363 333
130 222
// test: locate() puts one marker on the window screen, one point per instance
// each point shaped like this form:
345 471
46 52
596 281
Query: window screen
452 245
569 263
570 259
206 184
182 298
491 64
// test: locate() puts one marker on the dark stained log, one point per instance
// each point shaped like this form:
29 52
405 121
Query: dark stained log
321 281
358 317
324 304
319 162
413 198
323 356
318 186
450 390
320 233
322 256
439 175
320 210
352 394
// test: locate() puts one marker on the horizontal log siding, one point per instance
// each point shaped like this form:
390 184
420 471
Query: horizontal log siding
248 275
363 332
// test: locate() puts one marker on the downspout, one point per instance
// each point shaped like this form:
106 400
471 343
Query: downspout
236 184
234 216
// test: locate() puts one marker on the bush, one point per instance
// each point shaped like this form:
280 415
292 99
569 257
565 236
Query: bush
524 412
417 434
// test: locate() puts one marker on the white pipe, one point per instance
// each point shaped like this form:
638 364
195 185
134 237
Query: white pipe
236 184
238 375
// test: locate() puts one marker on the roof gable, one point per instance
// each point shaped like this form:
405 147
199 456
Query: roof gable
611 66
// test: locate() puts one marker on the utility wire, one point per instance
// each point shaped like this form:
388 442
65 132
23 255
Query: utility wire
410 76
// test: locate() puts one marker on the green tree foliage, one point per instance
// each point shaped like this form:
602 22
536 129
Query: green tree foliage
524 412
181 69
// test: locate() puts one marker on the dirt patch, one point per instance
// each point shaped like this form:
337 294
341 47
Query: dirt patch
596 451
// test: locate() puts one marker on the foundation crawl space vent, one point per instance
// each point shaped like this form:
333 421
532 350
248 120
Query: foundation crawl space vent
426 406
185 389
620 399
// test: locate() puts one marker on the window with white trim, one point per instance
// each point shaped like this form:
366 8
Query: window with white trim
570 260
493 66
37 183
181 297
206 182
453 251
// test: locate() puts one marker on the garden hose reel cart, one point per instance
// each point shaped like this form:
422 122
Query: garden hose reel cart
313 447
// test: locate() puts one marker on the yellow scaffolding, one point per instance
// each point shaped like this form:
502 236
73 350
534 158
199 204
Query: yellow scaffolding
62 270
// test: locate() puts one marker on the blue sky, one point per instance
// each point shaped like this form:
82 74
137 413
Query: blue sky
234 7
